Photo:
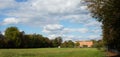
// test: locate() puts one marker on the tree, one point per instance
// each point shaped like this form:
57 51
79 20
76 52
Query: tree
22 37
57 41
77 44
15 39
12 34
1 35
70 44
107 12
64 45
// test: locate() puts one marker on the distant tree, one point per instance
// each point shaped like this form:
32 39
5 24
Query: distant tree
95 43
70 44
12 34
64 45
22 37
48 42
77 44
13 38
1 40
1 43
39 41
1 35
57 41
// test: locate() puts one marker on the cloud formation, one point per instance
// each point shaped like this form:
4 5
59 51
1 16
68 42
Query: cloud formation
10 21
44 10
48 15
53 28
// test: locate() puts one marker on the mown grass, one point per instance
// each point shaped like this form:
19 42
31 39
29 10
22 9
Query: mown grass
52 52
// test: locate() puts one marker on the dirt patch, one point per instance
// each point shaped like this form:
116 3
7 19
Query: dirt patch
112 54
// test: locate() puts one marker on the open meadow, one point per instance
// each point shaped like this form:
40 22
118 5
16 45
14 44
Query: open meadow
52 52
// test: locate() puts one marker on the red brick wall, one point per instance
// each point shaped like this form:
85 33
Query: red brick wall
88 43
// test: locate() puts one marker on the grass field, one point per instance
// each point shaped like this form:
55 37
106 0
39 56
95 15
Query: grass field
52 52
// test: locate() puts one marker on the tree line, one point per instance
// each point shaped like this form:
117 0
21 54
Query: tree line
13 38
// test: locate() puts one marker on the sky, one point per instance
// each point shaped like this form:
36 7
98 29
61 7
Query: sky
69 19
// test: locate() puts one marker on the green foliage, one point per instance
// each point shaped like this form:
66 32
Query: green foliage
98 43
77 44
1 35
15 39
12 34
107 12
68 44
57 41
85 46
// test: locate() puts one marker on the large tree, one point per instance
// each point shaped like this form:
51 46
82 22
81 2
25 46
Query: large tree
107 12
12 34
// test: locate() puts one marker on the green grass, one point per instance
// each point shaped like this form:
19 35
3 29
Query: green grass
52 52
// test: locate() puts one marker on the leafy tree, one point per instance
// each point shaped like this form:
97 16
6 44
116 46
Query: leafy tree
64 45
1 35
77 44
1 43
15 39
70 44
48 42
57 41
12 34
22 37
95 43
107 12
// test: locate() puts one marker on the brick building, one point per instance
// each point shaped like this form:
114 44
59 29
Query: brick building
85 43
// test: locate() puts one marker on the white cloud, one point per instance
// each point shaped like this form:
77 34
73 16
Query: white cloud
83 30
96 31
70 30
59 29
55 6
93 23
41 12
10 21
79 18
64 37
94 37
3 33
53 28
72 37
83 7
53 36
6 4
48 14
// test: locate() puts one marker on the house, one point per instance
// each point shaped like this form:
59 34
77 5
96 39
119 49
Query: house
85 43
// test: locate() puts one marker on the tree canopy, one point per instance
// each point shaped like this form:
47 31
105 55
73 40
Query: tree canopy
14 38
107 12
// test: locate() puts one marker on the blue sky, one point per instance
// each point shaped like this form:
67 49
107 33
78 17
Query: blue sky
69 19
